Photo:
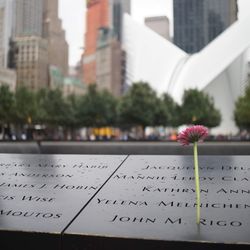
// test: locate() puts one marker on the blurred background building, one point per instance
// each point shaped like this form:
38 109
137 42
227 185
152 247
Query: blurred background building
209 50
73 86
159 24
7 76
198 22
55 35
37 42
5 30
28 18
32 62
104 59
219 68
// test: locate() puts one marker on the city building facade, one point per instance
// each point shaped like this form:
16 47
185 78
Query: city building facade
6 12
73 86
198 22
70 85
28 18
220 69
32 62
103 58
248 72
8 77
56 77
97 16
55 35
109 56
38 42
117 9
159 24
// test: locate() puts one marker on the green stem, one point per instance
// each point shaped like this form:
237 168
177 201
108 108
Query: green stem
197 183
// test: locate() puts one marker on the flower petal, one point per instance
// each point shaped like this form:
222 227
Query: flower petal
192 134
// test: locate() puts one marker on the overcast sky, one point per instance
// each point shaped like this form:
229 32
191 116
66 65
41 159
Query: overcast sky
72 13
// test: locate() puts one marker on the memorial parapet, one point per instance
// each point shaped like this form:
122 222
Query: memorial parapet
149 203
41 194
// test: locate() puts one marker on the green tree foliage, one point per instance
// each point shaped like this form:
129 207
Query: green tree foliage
6 104
109 108
242 110
54 107
24 106
72 106
97 109
198 108
138 106
41 116
72 121
172 110
161 116
54 110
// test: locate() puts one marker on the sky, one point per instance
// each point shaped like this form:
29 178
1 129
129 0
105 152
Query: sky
72 13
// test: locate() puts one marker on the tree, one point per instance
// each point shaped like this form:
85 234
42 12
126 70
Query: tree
54 111
97 109
172 111
161 116
242 110
198 108
72 121
41 115
24 106
6 104
72 102
6 109
24 110
109 108
138 106
56 108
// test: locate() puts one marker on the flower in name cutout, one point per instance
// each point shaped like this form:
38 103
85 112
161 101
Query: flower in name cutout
194 134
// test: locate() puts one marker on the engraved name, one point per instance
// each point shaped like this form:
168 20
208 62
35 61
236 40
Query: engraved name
203 205
26 214
155 189
178 178
122 202
174 168
172 220
38 175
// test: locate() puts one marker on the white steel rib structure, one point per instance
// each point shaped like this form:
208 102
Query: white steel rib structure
220 69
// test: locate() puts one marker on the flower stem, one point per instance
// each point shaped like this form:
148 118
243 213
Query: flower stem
197 183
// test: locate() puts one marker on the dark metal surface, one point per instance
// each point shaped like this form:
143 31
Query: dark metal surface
24 147
144 148
118 148
76 202
152 199
41 194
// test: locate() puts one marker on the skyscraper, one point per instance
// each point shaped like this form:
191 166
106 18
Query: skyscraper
32 62
118 8
97 17
109 58
6 9
40 41
103 57
28 18
220 69
29 52
198 22
7 76
159 24
55 35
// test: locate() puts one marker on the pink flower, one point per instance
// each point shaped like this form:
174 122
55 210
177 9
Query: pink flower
192 134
